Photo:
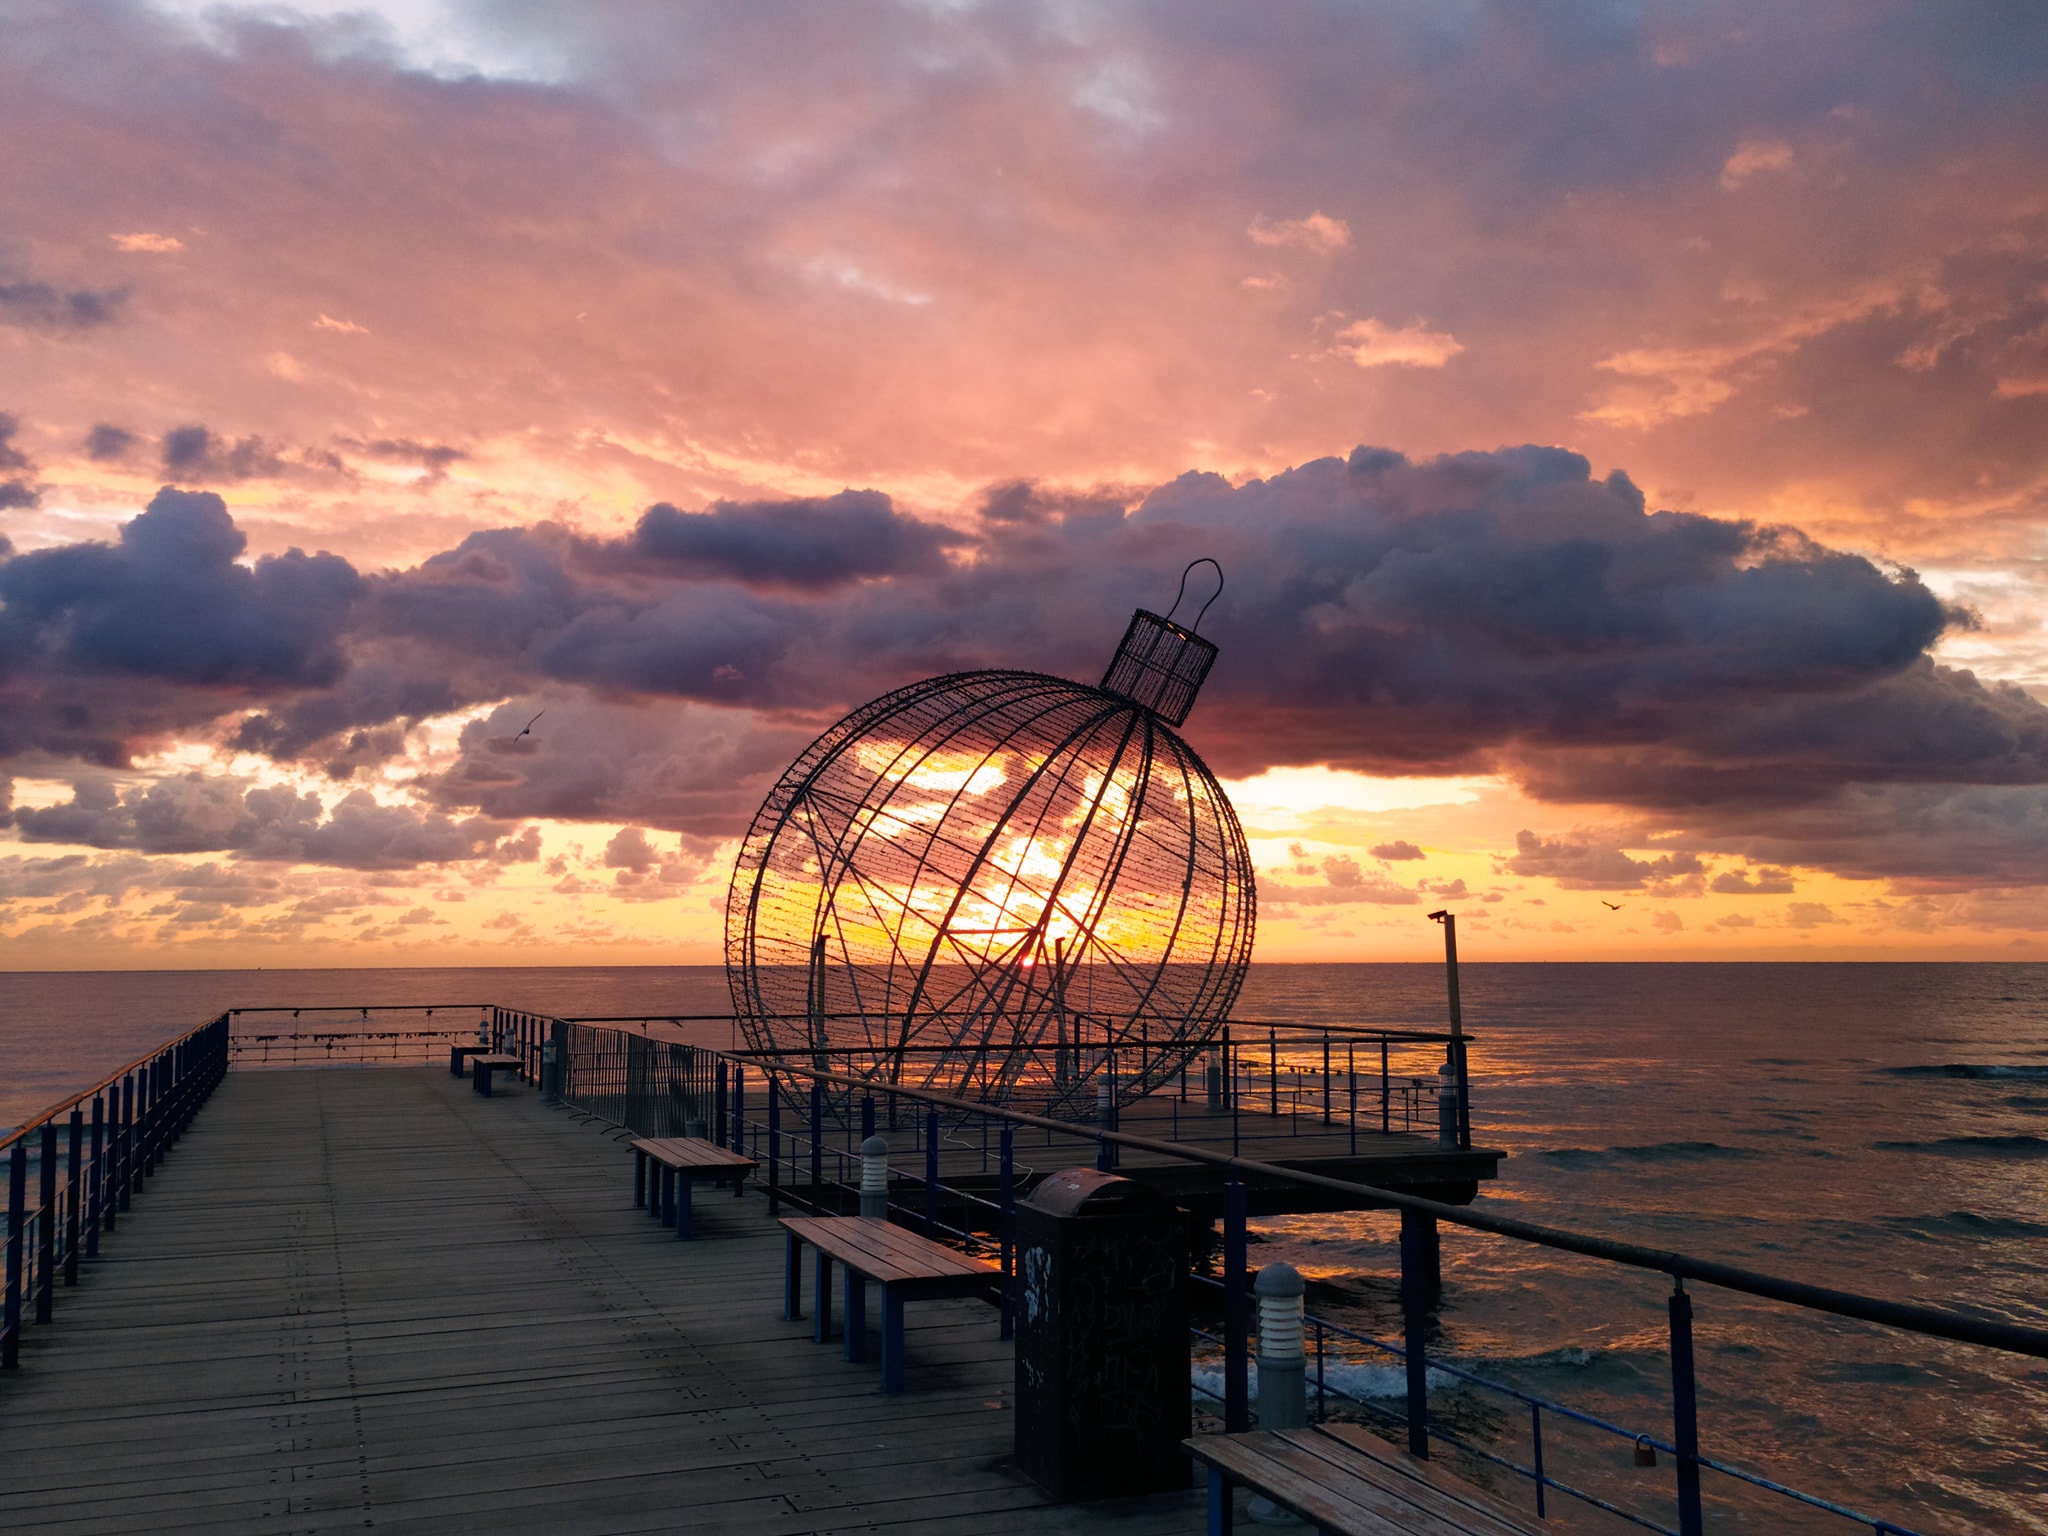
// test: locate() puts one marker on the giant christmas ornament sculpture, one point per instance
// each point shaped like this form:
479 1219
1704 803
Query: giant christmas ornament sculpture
1001 885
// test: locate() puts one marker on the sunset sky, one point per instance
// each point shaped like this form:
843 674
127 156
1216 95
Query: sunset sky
1624 428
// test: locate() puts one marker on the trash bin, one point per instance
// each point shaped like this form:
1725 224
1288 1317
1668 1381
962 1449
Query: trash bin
1102 1337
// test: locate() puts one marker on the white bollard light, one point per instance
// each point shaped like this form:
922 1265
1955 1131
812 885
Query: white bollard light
1283 1367
1447 1105
874 1178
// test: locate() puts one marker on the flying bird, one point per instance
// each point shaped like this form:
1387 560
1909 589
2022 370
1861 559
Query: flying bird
529 726
1612 906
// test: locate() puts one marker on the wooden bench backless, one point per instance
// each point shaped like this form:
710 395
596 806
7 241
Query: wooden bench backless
1347 1481
679 1162
905 1265
481 1068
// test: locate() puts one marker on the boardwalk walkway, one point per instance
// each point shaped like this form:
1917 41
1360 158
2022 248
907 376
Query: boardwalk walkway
369 1299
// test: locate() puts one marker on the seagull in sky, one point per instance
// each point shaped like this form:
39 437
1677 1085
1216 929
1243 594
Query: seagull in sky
529 726
1612 906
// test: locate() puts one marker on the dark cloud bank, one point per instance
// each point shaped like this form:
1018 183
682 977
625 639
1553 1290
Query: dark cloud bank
1478 612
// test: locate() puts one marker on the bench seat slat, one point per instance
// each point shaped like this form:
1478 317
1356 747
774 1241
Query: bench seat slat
689 1154
1413 1503
915 1256
1344 1486
1400 1464
1328 1508
885 1253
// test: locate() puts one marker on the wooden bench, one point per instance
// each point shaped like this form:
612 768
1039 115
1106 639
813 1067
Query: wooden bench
481 1067
1341 1478
905 1265
458 1056
678 1162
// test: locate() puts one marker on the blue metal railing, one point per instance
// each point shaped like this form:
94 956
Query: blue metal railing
1419 1217
88 1172
743 1099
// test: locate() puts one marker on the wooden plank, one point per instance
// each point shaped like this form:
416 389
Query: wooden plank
884 1252
1371 1483
1338 1484
367 1296
1398 1462
686 1153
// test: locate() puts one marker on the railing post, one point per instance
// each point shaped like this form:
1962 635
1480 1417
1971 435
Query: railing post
718 1101
867 1116
817 1144
931 1171
739 1115
1230 1087
96 1181
1236 1375
1006 1206
1105 1114
46 1225
17 1224
124 1148
76 1149
145 1124
774 1146
1415 1317
1685 1413
1351 1087
1536 1458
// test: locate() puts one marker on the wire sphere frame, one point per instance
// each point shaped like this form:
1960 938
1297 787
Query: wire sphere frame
999 885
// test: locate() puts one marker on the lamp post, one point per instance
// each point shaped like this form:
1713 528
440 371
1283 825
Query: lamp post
1450 921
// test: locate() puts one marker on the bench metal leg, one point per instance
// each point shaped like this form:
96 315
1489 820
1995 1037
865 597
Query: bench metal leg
792 1279
483 1080
856 1314
455 1061
1222 1510
823 1330
682 1208
892 1339
639 1178
666 1212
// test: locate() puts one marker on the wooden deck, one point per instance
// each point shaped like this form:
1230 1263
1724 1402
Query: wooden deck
371 1298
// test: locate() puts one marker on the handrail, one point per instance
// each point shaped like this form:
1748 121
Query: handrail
64 1106
1363 1031
1912 1317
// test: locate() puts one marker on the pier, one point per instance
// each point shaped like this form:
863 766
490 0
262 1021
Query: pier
372 1297
352 1291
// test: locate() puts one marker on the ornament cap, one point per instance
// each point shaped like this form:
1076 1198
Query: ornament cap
1159 664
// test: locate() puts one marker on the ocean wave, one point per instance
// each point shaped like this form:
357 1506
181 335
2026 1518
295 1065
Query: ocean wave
1966 1224
2028 1101
1569 1357
1973 1146
1976 1071
1655 1152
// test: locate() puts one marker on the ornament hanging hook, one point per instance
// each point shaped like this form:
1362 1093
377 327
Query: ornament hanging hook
1196 627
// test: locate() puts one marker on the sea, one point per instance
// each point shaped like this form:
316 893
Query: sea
1881 1128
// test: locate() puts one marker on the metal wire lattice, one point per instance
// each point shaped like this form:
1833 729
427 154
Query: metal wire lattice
1000 885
